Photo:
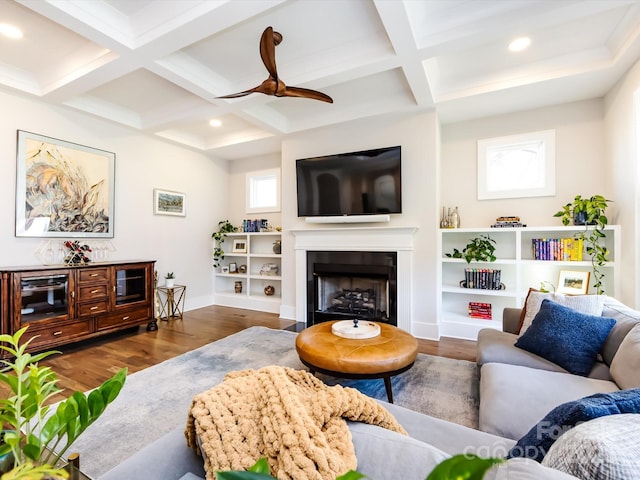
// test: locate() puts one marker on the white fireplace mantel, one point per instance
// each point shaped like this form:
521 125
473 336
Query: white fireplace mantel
366 239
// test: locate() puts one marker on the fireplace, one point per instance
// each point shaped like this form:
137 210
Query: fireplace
351 284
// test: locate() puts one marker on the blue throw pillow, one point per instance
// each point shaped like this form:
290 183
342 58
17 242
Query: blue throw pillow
566 337
536 443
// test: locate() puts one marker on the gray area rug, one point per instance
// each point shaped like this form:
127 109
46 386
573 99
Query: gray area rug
155 400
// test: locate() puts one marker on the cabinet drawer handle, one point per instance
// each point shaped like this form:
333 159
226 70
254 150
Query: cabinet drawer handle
95 291
55 334
93 275
125 318
93 308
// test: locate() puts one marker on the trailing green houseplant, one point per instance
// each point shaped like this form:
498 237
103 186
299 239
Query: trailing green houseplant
224 227
34 435
458 467
590 212
480 249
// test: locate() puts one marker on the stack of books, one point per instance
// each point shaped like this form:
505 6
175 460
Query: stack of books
508 222
559 249
484 278
480 310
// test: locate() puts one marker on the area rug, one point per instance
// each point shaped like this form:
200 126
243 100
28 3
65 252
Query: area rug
155 400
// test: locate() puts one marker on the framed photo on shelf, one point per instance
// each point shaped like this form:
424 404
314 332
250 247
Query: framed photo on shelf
233 267
63 189
239 245
573 282
166 202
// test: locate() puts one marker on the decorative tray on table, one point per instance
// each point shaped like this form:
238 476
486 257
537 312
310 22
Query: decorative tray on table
355 329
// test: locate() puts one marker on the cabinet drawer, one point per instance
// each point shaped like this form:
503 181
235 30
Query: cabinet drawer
61 333
92 308
93 292
132 317
93 275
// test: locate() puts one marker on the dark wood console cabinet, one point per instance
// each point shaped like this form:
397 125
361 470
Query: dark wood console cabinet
66 304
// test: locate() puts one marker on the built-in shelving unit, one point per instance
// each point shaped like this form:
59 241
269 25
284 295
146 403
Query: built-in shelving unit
255 278
519 272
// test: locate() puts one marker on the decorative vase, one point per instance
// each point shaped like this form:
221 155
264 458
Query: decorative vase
238 286
277 247
269 290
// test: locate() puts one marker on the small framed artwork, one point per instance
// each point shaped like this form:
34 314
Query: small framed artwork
573 282
233 267
224 269
166 202
239 245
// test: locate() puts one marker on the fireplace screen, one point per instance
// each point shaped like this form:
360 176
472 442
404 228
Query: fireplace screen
362 297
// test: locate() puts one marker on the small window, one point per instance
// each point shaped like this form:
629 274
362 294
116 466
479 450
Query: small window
263 191
517 166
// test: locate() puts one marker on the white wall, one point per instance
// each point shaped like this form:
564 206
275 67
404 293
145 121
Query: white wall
178 244
622 126
417 134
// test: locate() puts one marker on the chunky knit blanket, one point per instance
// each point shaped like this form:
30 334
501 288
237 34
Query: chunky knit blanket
288 416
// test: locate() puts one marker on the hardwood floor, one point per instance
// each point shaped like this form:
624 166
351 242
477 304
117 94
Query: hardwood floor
86 365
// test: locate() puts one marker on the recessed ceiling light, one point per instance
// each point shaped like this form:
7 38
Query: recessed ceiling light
519 44
215 123
10 31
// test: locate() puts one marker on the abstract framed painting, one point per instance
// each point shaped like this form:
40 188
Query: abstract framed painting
63 189
166 202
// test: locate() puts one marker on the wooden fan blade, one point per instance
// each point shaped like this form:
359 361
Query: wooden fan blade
268 43
268 87
306 93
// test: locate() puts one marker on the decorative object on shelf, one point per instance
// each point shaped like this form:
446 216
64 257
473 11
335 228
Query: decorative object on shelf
169 280
52 252
166 202
482 278
450 218
239 245
511 221
573 282
44 208
237 287
242 269
545 285
233 267
269 290
224 227
480 249
269 269
455 218
77 254
224 269
32 429
589 212
277 247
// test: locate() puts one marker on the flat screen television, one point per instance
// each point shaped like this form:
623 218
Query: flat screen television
356 183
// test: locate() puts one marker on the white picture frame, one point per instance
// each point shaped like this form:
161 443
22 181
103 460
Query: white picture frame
572 282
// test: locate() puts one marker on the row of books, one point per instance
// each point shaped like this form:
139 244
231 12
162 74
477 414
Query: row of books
561 249
480 310
484 278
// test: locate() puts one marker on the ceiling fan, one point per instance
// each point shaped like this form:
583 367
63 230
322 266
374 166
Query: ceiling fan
273 85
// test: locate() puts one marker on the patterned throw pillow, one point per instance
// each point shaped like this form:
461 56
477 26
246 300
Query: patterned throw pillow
606 448
588 304
566 337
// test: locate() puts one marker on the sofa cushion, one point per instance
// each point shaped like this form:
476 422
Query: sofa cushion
509 410
524 469
588 304
626 318
607 448
538 440
625 368
567 337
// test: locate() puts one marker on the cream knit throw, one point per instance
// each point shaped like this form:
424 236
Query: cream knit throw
286 415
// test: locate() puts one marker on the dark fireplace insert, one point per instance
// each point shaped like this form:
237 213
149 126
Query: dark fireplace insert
349 285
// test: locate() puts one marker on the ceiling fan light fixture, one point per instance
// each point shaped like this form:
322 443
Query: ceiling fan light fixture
10 31
215 123
519 44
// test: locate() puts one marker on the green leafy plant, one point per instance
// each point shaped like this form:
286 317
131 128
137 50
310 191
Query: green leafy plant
590 212
480 249
36 437
458 467
224 227
169 275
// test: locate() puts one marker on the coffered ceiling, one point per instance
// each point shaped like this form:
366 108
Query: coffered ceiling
158 65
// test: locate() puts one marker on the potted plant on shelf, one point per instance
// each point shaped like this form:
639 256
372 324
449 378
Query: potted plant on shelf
36 436
590 212
224 227
169 280
480 249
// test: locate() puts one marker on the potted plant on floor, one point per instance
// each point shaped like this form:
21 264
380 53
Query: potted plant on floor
224 227
35 435
590 212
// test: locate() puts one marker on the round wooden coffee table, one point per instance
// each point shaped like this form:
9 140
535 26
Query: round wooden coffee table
384 356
